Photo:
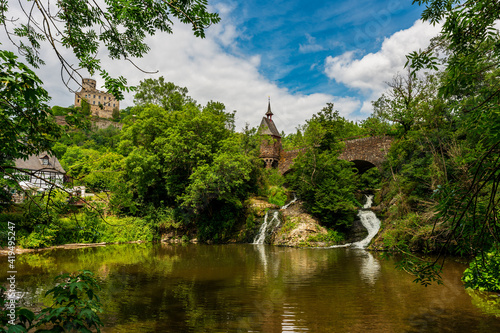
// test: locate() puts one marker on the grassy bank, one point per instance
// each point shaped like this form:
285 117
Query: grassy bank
77 228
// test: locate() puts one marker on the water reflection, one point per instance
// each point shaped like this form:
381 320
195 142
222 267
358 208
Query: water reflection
370 267
261 250
248 288
290 321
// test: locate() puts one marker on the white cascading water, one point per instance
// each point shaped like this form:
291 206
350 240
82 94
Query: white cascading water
369 221
269 226
291 202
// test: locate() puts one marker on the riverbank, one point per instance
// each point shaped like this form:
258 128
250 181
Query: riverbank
294 228
66 246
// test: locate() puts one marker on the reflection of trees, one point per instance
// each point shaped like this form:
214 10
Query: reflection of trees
232 288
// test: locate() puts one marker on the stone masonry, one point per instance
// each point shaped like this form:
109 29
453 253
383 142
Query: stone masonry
101 103
365 153
363 150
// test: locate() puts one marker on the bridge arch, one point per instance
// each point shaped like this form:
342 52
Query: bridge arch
365 153
363 166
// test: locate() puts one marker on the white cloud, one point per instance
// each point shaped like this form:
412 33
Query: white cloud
311 46
210 73
369 73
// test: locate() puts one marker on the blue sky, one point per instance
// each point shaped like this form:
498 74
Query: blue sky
303 54
294 37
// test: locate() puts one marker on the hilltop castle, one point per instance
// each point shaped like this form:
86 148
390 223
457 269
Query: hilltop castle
101 103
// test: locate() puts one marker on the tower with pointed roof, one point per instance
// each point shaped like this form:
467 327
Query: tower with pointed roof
270 148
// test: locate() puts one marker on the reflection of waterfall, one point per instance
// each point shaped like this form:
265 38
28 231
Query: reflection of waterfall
262 255
369 221
370 268
267 226
290 322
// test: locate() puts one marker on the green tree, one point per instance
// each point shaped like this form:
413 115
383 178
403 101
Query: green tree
86 27
189 159
25 120
407 99
325 183
165 94
469 92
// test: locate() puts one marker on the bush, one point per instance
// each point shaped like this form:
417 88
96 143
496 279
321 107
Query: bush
75 308
484 273
42 236
277 196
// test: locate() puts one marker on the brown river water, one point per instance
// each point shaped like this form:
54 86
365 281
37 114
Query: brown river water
258 288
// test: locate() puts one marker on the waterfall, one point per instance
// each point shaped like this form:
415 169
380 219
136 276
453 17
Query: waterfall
267 226
291 202
369 221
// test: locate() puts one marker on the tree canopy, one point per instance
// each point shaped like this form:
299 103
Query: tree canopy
84 27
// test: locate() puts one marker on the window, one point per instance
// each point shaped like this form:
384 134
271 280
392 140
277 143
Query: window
45 160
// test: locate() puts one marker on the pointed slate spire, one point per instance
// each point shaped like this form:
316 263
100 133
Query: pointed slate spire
269 114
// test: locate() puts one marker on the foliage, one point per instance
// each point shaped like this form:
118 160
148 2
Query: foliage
75 308
277 196
25 120
60 111
27 127
325 183
483 272
369 180
187 158
332 237
161 93
76 304
470 87
376 126
407 101
86 27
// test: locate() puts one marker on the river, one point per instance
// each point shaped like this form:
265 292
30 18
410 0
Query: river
256 288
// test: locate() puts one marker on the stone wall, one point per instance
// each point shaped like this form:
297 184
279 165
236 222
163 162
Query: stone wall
104 123
370 149
286 159
364 152
96 122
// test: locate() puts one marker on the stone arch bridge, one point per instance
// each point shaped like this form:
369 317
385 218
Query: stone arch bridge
365 153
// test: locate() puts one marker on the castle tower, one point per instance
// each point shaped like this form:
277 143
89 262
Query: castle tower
270 148
101 103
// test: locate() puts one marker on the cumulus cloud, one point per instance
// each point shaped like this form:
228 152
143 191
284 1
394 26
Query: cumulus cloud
370 72
211 73
214 69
